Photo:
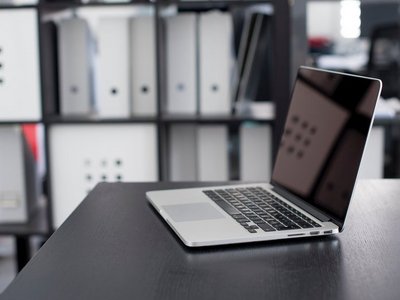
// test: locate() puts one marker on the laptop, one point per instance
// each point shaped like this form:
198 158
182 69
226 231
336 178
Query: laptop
313 178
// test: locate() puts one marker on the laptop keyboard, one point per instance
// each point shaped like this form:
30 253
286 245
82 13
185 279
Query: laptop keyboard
256 209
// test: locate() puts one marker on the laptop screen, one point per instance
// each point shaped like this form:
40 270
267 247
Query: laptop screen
324 137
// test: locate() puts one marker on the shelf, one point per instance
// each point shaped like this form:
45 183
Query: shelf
222 119
97 120
387 121
200 3
20 122
16 6
167 118
74 4
37 225
209 5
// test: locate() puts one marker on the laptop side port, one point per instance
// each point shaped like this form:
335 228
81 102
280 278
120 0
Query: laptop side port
296 234
327 231
314 232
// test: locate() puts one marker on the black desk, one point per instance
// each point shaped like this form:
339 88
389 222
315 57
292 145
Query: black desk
114 246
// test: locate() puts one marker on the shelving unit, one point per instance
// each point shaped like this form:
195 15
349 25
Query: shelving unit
38 225
41 224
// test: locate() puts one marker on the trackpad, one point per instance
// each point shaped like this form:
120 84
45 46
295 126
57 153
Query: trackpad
192 212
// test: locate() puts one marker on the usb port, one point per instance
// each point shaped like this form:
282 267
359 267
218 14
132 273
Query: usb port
314 232
327 231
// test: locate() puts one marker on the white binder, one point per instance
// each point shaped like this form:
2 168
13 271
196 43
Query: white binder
18 185
114 88
181 33
215 62
372 163
212 153
143 66
75 67
20 94
183 153
255 152
84 154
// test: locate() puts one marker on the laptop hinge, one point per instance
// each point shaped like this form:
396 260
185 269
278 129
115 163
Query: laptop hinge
302 204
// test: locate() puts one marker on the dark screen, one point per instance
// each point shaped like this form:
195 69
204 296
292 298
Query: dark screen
324 137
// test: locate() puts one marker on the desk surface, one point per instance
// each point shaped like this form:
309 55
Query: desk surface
114 246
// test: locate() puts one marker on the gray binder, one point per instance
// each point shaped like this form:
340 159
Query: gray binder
215 63
75 67
143 66
114 90
181 33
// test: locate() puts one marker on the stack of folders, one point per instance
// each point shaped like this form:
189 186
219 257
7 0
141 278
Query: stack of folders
199 57
199 152
121 81
20 95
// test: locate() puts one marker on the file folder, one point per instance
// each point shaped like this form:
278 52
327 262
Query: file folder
255 152
255 56
114 87
215 62
143 66
75 67
259 64
212 153
20 94
84 154
50 74
183 153
181 34
18 178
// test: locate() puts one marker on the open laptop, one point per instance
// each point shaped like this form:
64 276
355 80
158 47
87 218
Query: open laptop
314 175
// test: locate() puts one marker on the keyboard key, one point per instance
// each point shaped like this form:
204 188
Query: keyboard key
259 222
237 216
280 227
293 226
243 220
304 225
266 227
226 207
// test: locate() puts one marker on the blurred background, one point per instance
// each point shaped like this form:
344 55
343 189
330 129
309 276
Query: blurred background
117 91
